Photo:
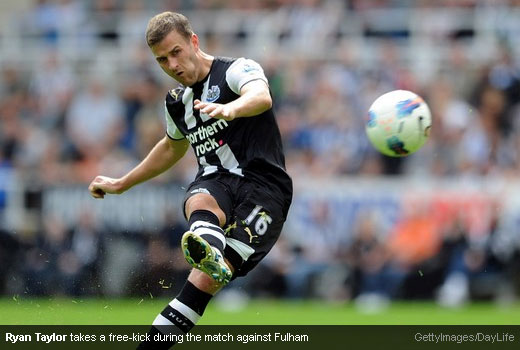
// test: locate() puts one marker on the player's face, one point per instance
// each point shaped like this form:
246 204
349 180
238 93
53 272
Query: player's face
178 58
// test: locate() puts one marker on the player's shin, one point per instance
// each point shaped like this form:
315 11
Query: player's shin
177 318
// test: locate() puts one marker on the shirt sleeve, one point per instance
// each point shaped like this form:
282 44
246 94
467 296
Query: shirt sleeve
171 129
241 72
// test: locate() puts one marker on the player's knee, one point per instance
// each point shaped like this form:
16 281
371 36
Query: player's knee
203 201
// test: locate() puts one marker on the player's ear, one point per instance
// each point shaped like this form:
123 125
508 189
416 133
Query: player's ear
195 41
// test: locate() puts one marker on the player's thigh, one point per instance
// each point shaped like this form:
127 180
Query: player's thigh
209 194
255 226
203 201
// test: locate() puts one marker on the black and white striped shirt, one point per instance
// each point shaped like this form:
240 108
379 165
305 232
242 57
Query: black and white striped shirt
249 147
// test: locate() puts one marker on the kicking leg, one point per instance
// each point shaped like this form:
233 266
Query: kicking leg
205 242
202 245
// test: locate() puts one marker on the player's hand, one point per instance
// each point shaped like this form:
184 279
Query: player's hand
102 185
215 110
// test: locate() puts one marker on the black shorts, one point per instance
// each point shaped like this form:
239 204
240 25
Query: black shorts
255 215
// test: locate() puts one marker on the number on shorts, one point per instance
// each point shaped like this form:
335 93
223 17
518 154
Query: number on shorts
262 223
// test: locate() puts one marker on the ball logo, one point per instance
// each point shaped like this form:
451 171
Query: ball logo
397 146
371 119
406 107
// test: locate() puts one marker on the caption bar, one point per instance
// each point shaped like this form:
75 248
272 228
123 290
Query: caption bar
140 337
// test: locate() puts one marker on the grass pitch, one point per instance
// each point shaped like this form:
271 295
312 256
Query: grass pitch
18 311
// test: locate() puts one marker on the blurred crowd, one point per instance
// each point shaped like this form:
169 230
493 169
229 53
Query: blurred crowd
418 258
89 100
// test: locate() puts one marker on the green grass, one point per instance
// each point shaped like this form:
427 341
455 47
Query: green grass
17 311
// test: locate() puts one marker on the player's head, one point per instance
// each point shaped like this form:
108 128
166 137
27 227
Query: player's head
164 23
175 46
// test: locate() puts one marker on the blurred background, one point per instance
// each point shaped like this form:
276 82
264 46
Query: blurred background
81 95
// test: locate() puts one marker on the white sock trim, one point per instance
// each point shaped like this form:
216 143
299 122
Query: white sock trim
201 223
185 310
208 231
160 320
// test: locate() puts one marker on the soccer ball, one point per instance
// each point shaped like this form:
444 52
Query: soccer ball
398 123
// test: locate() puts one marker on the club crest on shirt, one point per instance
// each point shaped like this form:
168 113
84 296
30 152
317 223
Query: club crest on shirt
213 94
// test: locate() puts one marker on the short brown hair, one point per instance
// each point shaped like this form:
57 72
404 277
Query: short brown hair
162 24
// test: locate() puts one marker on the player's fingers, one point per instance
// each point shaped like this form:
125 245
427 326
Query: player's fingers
197 104
216 113
97 193
223 112
209 109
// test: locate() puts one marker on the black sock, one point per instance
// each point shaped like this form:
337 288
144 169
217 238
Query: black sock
206 225
177 318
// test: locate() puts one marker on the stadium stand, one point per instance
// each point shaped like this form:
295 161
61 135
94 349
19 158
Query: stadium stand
80 95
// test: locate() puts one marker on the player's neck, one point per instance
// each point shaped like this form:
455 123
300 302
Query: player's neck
206 61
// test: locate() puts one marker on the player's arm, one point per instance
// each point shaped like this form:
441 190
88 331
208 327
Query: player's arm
254 99
161 158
